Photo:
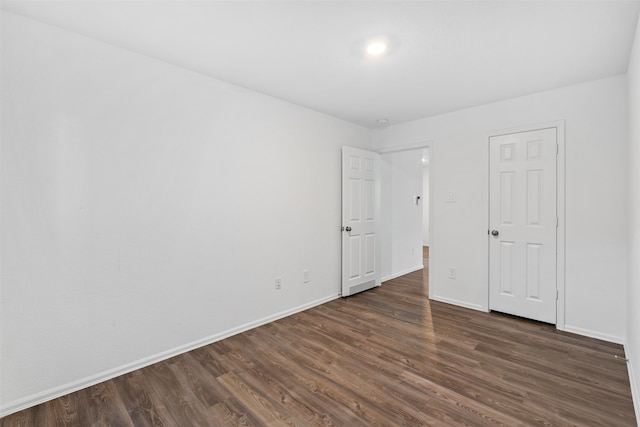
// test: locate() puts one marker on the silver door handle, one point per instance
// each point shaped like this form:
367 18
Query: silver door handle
494 233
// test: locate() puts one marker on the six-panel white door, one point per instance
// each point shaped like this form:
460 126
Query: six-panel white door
523 224
360 220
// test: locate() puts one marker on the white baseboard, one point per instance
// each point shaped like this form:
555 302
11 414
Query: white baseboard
593 334
402 273
464 304
53 393
635 392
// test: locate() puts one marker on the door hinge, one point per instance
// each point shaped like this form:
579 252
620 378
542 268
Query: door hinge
557 222
557 293
557 148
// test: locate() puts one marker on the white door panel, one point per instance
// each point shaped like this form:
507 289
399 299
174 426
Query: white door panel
523 223
360 220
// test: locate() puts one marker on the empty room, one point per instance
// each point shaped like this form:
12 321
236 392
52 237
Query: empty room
346 213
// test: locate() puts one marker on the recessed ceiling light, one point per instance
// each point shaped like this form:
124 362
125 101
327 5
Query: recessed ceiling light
382 122
376 48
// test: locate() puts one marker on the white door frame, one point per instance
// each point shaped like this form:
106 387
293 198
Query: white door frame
560 206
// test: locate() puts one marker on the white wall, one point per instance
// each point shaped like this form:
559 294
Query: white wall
402 219
633 298
596 159
147 209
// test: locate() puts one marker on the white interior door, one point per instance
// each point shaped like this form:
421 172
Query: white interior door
360 220
523 224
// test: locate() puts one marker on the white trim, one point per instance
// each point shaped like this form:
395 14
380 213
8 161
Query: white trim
559 125
405 147
53 393
433 230
464 304
593 334
485 208
635 392
560 237
527 128
1 258
402 273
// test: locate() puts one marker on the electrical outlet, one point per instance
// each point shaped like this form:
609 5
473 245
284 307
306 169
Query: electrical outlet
307 276
452 272
278 283
452 197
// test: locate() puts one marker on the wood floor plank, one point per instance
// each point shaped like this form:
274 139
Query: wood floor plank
106 408
385 357
193 376
231 413
336 403
143 406
179 401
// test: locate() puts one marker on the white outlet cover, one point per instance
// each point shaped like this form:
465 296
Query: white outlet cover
452 197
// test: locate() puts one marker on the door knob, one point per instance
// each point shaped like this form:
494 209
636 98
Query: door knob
348 228
494 232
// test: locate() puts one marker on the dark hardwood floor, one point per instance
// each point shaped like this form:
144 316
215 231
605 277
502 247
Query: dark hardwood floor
388 356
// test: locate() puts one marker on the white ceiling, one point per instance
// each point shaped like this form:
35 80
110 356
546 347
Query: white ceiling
444 55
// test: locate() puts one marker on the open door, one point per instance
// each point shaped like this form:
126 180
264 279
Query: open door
360 220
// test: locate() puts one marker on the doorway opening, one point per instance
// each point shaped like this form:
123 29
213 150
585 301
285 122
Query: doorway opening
425 208
404 201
